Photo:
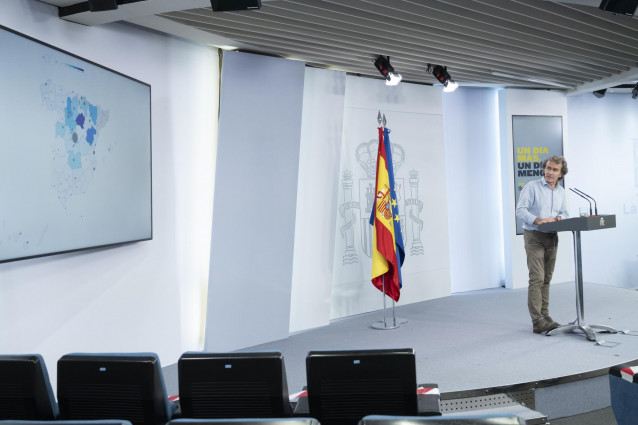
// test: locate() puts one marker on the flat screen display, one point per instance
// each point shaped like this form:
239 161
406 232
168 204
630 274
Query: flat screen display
75 152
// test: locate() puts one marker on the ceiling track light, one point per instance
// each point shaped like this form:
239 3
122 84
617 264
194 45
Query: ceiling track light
382 63
600 93
105 5
234 5
619 7
102 5
444 77
634 91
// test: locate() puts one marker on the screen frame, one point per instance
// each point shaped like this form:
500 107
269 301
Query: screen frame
150 147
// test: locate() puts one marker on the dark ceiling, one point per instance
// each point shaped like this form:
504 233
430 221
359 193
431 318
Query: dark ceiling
570 46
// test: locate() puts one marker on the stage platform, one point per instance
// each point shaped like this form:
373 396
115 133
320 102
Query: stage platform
480 349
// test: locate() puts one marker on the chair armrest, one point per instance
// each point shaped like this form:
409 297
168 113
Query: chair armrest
428 400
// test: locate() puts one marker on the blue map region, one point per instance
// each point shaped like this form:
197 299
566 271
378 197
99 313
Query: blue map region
59 129
90 135
93 112
75 160
80 120
90 110
71 112
73 117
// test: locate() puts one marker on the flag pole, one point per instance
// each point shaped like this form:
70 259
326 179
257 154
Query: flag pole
383 325
397 320
383 292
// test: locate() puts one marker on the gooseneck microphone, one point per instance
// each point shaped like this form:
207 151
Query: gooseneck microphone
595 206
577 193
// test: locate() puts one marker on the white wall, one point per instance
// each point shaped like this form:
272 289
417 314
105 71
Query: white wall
472 150
528 102
144 296
603 162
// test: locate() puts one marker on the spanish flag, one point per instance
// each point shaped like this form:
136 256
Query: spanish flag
387 243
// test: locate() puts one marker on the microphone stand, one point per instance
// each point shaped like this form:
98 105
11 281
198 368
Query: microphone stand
583 193
590 212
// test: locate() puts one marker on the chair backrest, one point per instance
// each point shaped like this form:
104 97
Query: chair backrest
345 386
25 389
100 422
454 419
113 386
233 385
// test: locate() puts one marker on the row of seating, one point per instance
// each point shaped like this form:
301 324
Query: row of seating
90 386
343 387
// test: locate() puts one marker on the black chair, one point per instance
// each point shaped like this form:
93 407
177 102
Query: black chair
25 389
623 393
233 385
456 419
113 386
345 386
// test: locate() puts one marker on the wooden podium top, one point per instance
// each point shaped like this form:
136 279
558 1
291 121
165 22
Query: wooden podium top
592 222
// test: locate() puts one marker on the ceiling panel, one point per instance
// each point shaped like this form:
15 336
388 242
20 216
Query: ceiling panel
571 46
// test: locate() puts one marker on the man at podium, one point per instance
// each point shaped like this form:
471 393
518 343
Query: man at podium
542 201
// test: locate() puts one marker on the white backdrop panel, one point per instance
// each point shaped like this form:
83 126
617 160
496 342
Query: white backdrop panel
414 117
321 126
474 188
603 162
255 200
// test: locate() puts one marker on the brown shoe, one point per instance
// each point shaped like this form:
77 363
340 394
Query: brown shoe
551 323
540 326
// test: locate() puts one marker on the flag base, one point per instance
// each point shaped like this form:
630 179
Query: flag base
385 325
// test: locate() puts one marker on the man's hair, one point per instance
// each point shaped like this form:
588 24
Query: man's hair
558 160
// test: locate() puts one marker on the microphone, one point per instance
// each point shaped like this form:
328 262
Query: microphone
583 193
583 198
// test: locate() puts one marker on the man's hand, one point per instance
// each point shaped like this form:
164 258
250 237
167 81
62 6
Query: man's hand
547 220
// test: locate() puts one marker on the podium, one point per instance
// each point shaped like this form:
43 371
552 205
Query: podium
577 225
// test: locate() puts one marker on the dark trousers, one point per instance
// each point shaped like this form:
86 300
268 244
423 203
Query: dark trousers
541 251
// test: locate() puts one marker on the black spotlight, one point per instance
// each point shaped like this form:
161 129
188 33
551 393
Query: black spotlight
232 5
102 5
441 74
382 63
634 92
600 93
619 7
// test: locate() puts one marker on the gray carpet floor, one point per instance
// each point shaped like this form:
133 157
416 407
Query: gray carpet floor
480 339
